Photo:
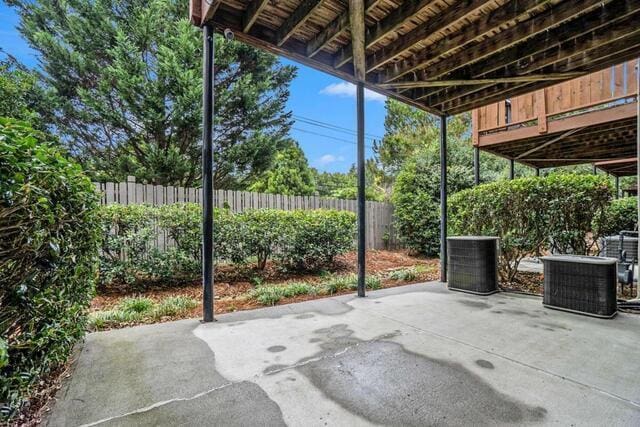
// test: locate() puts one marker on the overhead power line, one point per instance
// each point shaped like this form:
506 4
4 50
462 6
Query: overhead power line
328 136
333 127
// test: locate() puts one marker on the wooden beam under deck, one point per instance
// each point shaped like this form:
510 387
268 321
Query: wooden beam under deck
471 52
592 30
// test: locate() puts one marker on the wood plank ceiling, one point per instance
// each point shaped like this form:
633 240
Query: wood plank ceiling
444 56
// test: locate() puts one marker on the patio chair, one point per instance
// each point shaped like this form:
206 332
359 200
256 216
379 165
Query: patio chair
625 266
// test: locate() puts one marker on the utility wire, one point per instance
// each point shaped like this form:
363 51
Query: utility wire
331 126
328 136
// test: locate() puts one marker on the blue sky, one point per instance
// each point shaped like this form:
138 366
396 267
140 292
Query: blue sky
316 99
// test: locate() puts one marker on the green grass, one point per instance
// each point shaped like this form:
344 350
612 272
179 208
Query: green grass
139 305
174 306
407 274
271 295
140 309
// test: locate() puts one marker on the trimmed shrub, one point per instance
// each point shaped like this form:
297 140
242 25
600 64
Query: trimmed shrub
416 200
531 214
312 239
128 233
48 258
621 215
576 205
297 239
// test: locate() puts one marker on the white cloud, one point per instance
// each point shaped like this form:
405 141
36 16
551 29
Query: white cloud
348 90
329 158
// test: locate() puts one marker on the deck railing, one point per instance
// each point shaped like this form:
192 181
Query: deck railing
607 88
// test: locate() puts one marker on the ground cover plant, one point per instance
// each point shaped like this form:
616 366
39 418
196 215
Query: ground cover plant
48 259
124 307
534 214
134 310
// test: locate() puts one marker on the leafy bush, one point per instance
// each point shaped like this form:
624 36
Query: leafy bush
298 239
530 214
576 205
128 233
48 258
416 200
312 239
621 215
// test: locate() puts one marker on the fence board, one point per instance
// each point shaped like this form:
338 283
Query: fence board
378 221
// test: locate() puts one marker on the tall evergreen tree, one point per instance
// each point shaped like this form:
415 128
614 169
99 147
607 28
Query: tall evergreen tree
21 97
127 75
290 174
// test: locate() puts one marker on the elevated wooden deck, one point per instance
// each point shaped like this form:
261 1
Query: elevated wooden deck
589 119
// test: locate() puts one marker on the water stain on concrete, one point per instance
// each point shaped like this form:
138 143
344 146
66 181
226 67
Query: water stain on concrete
484 364
305 316
235 324
384 383
276 348
555 326
474 304
314 340
520 313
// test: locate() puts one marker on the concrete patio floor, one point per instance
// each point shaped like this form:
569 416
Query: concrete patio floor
415 355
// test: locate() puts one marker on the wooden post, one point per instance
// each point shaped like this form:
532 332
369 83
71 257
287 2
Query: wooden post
476 165
541 110
357 25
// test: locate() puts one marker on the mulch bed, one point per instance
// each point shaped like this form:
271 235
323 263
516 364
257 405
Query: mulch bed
526 282
232 285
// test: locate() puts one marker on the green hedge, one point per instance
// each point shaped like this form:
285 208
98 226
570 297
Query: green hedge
48 258
416 200
621 215
305 240
533 214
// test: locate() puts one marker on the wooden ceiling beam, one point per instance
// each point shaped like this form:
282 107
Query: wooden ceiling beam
505 14
453 14
385 27
551 141
208 10
473 82
296 20
499 92
336 27
496 58
572 55
251 14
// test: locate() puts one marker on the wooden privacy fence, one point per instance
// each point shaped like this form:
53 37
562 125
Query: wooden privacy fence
379 218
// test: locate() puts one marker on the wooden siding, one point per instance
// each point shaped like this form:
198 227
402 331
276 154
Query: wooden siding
592 91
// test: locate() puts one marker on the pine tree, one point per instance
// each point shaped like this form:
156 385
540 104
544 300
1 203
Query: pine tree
128 79
290 175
